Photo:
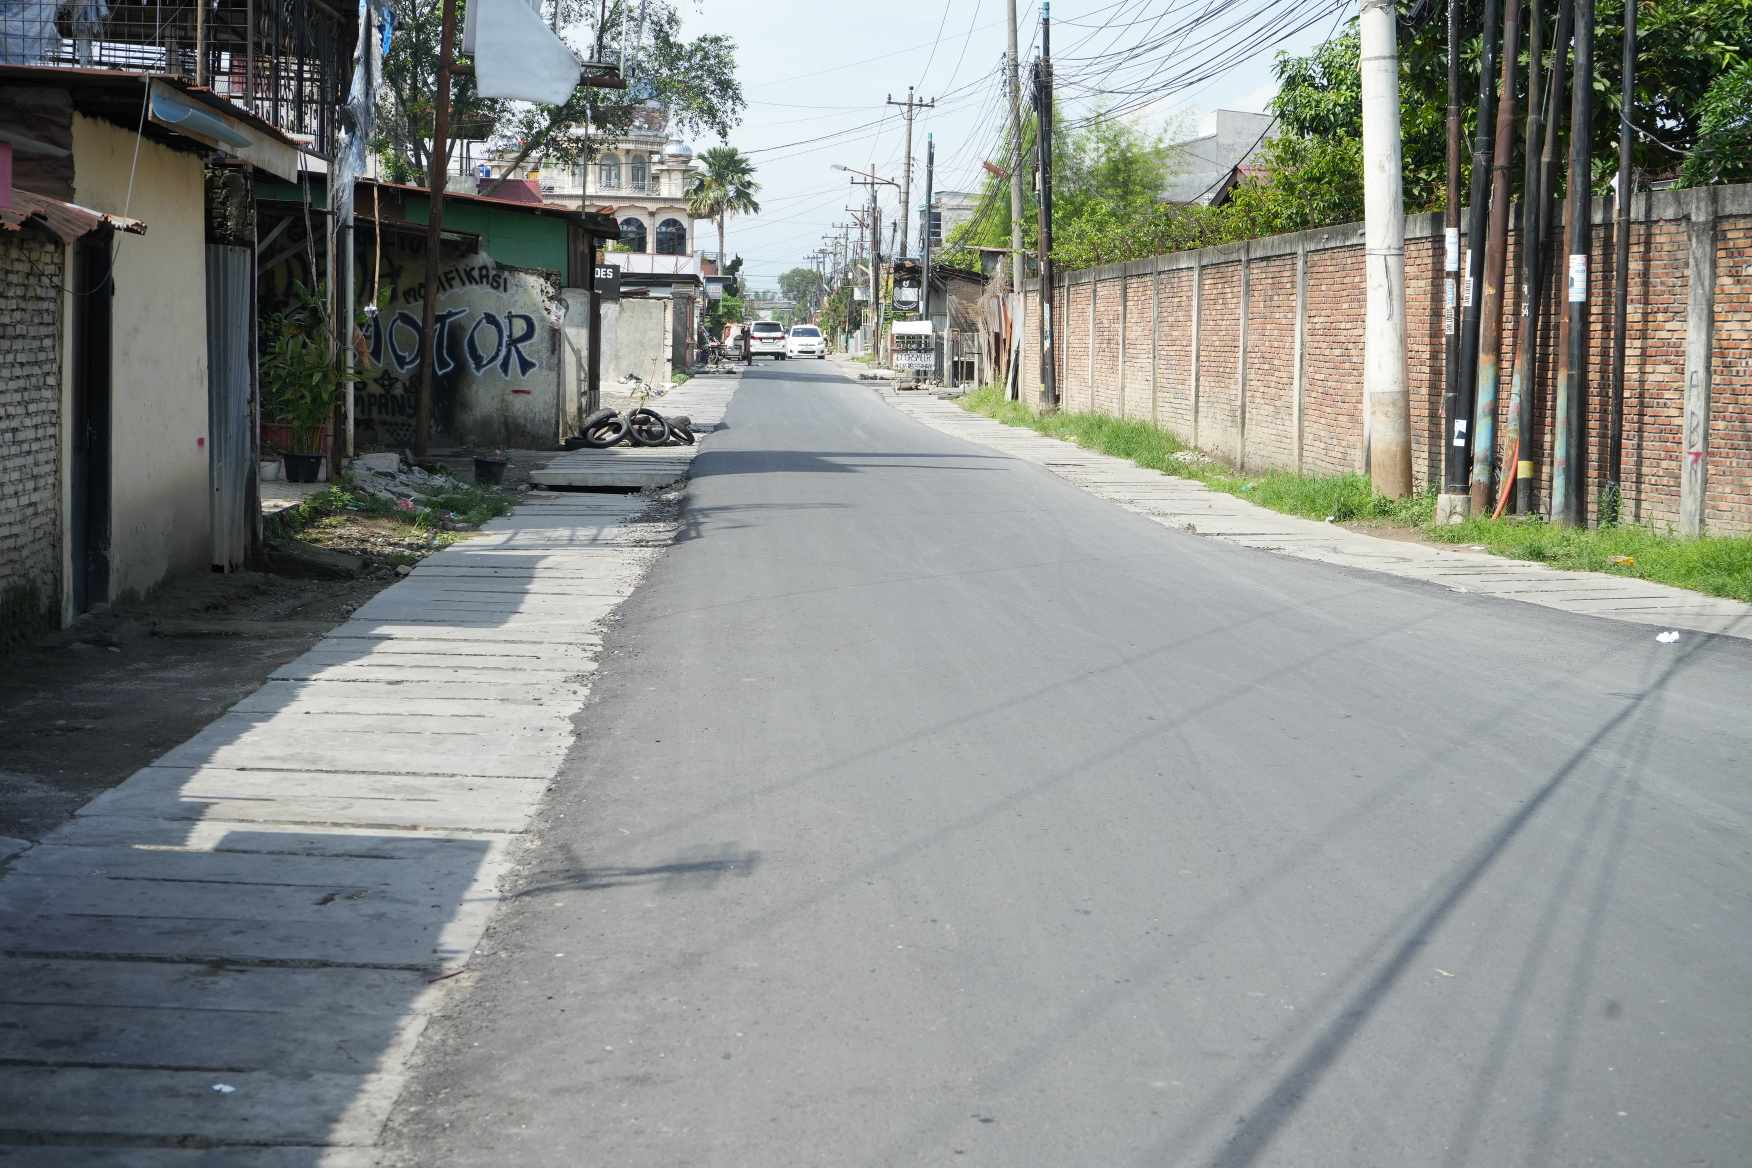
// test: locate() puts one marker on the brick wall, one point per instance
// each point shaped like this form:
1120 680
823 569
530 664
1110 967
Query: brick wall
30 415
1259 428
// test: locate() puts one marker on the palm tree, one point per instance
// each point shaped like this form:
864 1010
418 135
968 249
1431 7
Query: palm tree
724 186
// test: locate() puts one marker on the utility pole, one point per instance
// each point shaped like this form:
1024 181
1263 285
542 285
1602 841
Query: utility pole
1554 93
1496 254
1479 198
925 243
869 178
1621 233
1452 504
1013 69
1567 468
438 167
1389 405
1520 439
909 108
1049 399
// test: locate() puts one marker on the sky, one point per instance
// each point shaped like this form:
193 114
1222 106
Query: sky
823 69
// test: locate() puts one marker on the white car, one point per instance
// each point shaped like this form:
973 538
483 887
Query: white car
806 341
766 337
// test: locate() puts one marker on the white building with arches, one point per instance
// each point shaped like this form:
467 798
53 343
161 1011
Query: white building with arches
641 178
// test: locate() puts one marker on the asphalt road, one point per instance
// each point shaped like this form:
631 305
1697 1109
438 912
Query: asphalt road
931 811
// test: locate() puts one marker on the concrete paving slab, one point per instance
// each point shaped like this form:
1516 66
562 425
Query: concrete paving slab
169 1038
92 829
413 702
264 1108
63 1155
245 741
411 874
338 798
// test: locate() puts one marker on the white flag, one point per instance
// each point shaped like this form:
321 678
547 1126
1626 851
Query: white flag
516 54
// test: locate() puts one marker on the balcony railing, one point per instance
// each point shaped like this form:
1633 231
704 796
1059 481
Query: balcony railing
286 61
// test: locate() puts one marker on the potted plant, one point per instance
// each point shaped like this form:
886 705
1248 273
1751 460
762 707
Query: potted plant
300 383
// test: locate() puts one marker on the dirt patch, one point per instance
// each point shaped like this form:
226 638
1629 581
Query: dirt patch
82 709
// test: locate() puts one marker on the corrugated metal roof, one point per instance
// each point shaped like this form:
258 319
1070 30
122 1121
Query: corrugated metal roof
67 220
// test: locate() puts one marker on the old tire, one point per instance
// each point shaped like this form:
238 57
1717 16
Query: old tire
647 428
610 432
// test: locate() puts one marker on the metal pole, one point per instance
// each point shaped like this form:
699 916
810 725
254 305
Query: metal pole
1049 399
1453 454
1016 160
1479 195
1523 386
1621 279
1572 384
435 179
1496 256
1384 387
925 242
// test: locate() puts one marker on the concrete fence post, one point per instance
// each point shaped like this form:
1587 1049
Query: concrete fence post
1241 363
1699 338
1124 309
1301 338
1094 294
1197 288
1155 330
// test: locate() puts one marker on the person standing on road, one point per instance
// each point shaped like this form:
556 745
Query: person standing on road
747 345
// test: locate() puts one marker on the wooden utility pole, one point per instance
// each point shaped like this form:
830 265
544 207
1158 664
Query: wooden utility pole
1569 463
1478 199
909 108
438 168
1451 507
1621 277
1496 255
925 243
1049 400
1519 441
1013 69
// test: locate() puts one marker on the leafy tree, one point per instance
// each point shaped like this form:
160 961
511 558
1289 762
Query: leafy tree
723 186
802 286
1724 131
1685 50
693 80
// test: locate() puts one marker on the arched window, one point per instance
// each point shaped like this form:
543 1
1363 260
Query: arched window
633 233
608 173
640 172
672 237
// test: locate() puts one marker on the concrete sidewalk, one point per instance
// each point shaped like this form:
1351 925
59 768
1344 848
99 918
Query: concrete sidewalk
228 958
1190 505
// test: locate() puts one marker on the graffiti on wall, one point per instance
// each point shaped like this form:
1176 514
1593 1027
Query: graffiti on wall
491 336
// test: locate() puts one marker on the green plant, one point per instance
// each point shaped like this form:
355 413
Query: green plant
301 379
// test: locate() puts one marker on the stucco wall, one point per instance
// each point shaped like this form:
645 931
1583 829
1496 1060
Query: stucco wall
159 523
496 357
636 340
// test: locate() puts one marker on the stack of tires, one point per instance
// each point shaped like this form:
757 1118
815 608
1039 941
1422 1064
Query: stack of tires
640 427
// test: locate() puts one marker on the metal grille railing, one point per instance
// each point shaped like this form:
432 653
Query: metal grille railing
286 61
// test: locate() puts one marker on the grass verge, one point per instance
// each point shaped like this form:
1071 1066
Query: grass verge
1716 565
468 506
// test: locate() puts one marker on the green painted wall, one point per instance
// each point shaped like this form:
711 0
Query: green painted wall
517 239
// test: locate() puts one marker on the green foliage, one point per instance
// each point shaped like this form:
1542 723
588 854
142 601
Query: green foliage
802 286
1724 131
300 377
694 81
723 186
1717 565
729 310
